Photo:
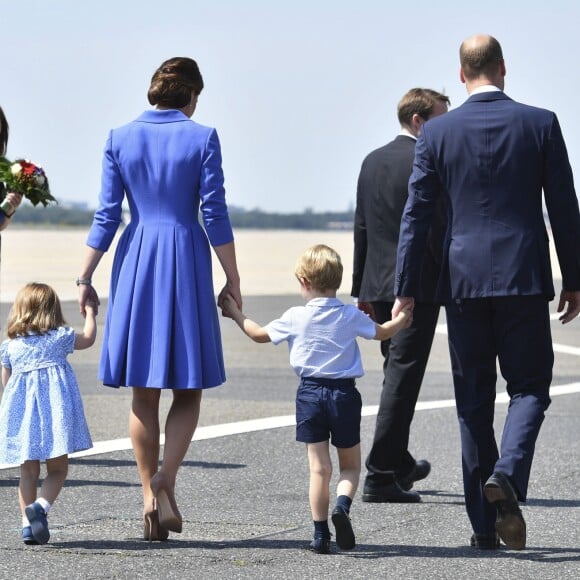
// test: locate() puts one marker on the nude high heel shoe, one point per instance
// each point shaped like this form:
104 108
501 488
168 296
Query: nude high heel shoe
169 516
152 530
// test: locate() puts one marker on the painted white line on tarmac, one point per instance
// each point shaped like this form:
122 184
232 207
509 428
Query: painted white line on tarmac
562 348
501 397
240 427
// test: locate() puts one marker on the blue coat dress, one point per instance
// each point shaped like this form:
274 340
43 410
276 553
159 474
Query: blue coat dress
162 328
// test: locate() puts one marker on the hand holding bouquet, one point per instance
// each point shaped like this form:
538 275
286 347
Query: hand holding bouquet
26 178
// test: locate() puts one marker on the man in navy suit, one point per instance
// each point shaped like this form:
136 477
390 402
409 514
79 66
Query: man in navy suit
490 159
380 200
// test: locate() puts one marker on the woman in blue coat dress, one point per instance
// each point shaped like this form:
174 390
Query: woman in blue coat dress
161 329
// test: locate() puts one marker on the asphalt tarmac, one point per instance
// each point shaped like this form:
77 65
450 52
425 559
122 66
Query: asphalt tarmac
243 488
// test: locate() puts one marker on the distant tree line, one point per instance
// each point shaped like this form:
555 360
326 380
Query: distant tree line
307 220
53 215
61 215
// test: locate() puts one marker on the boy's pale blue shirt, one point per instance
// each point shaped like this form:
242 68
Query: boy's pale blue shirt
322 338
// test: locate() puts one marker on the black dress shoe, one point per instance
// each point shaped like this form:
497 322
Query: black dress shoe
344 533
421 471
485 542
320 545
509 524
389 493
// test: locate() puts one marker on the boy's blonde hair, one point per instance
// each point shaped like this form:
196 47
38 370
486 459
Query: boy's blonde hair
36 310
321 266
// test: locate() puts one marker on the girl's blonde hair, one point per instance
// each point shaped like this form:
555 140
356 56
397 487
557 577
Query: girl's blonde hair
36 310
321 266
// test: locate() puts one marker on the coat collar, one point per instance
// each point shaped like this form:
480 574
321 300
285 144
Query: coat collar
163 116
488 96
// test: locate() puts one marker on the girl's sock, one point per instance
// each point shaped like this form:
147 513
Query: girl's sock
44 504
344 502
321 530
25 522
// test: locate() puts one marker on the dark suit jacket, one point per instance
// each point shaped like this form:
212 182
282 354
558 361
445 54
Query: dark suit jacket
381 196
491 158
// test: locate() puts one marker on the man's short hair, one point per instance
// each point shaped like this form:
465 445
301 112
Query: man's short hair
418 102
484 59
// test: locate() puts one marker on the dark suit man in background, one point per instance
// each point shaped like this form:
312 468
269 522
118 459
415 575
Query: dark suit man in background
490 159
381 196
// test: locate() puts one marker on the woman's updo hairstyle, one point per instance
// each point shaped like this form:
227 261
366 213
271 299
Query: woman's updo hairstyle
173 82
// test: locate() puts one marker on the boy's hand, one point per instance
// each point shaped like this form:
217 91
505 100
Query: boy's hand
229 306
405 317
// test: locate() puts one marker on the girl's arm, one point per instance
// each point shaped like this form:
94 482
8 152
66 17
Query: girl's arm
6 373
89 334
390 328
252 329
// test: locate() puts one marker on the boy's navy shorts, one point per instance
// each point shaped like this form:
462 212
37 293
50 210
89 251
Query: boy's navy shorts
328 408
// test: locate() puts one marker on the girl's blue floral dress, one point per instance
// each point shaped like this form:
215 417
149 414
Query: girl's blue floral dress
41 412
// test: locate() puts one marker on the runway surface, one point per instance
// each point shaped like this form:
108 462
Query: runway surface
243 489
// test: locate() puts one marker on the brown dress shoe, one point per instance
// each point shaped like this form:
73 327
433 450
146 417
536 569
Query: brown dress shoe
485 542
509 524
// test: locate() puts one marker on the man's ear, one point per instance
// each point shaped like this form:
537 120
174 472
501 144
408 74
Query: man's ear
461 76
416 123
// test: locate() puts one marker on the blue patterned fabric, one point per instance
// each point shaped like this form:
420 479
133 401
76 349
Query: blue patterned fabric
41 412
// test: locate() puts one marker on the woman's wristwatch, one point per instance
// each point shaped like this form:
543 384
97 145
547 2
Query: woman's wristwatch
85 281
7 209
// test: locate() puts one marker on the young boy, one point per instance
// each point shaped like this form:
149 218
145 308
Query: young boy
324 353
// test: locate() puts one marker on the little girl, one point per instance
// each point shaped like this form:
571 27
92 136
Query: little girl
41 412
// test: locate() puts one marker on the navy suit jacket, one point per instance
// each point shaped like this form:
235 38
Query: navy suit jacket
491 158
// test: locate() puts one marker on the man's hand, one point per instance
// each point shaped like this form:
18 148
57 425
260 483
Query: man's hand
572 299
367 308
403 303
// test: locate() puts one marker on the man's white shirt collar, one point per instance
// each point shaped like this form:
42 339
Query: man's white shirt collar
484 89
407 133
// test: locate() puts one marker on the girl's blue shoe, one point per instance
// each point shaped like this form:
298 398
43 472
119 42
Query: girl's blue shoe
27 536
38 522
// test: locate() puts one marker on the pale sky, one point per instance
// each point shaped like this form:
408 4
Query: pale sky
299 91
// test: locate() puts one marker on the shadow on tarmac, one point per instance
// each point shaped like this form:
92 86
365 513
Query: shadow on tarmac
362 552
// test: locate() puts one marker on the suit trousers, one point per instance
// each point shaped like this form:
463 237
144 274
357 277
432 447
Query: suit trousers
514 331
405 360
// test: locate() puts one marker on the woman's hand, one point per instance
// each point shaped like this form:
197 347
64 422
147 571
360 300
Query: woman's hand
226 254
14 199
88 298
234 292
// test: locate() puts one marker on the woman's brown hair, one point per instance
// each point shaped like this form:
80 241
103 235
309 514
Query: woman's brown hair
173 82
36 310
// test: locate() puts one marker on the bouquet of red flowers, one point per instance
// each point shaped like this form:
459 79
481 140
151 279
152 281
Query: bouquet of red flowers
24 177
